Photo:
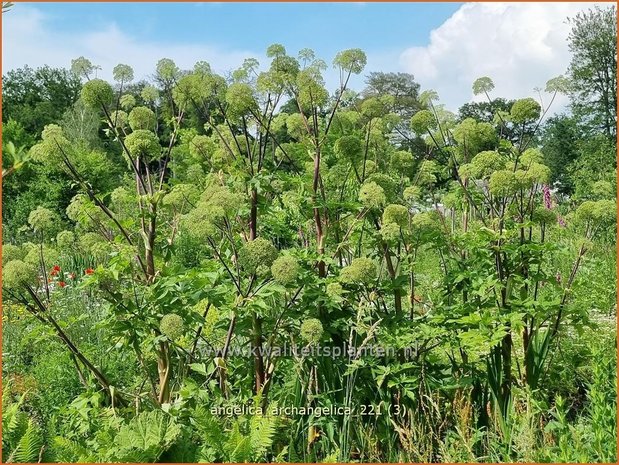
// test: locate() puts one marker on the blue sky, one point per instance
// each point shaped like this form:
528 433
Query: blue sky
325 27
446 46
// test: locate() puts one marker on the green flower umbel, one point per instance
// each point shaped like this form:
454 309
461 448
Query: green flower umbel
311 330
172 326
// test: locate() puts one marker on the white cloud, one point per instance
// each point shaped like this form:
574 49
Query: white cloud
519 45
27 39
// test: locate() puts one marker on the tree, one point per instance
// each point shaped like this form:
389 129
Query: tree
38 97
559 146
593 69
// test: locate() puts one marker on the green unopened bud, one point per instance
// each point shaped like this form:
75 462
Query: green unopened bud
360 271
285 269
311 330
172 326
258 252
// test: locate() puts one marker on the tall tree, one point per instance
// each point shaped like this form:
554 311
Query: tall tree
36 97
593 69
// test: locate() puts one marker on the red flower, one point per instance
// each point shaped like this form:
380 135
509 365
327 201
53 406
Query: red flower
53 273
56 268
62 283
89 271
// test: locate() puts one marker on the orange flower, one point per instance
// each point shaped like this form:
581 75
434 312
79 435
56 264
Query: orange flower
89 271
62 283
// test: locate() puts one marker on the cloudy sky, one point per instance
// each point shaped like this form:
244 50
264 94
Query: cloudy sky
446 46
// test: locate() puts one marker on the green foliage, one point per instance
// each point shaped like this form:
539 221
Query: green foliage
335 220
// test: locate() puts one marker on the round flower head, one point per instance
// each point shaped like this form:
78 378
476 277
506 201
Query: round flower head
371 195
121 198
172 326
503 183
412 194
422 121
143 143
360 271
258 252
240 100
97 92
484 164
123 73
596 212
119 119
50 256
544 215
427 224
201 147
65 240
530 156
535 174
285 269
224 198
370 167
142 118
17 273
89 241
390 232
127 101
349 147
389 184
402 161
397 214
149 94
335 291
42 220
311 330
12 252
602 190
525 110
181 197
